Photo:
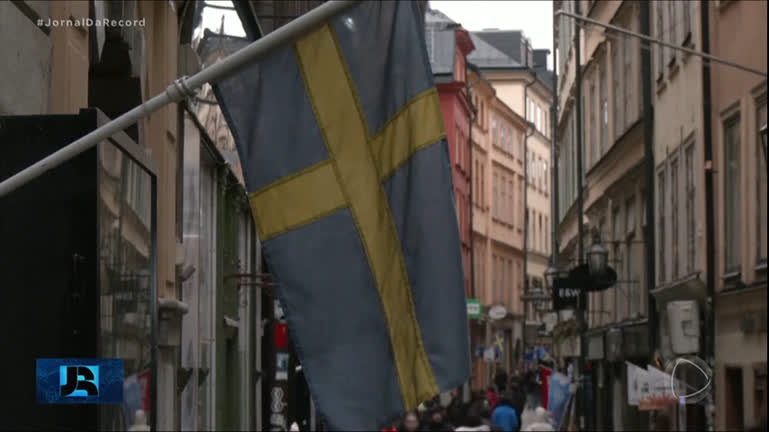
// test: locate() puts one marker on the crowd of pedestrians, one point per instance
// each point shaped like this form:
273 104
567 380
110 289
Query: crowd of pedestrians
510 405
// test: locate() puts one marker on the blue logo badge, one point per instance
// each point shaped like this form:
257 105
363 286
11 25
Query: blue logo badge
79 381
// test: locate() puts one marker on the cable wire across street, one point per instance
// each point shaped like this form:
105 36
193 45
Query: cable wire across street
663 43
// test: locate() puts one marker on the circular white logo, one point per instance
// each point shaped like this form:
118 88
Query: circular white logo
691 379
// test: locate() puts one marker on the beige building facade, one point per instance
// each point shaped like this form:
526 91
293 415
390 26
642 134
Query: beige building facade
498 218
739 177
613 194
520 78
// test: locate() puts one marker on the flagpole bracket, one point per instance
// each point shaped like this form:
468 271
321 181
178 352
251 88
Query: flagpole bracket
179 90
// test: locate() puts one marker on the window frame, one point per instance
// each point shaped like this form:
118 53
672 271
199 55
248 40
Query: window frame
674 205
593 124
761 171
735 267
617 91
604 101
510 193
671 37
661 239
691 197
659 27
495 197
627 71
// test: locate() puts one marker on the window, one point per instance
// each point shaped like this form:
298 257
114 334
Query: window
633 289
494 130
508 287
628 77
687 22
476 181
528 168
604 109
528 109
732 200
761 184
661 225
674 217
460 147
511 216
691 220
495 198
430 38
616 89
532 110
520 198
483 188
501 293
540 246
539 119
494 275
503 196
616 235
594 107
660 50
514 142
759 390
616 227
630 214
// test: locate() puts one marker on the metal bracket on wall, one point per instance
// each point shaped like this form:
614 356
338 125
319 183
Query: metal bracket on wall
183 376
261 280
202 375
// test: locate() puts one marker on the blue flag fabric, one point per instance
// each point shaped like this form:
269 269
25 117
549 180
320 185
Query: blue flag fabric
558 396
345 160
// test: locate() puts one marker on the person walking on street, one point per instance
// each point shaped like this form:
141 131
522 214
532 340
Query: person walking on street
410 422
437 420
455 411
473 421
537 421
504 415
501 380
492 396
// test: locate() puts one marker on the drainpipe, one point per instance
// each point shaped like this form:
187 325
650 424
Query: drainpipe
553 159
471 118
582 407
554 219
526 205
710 233
648 131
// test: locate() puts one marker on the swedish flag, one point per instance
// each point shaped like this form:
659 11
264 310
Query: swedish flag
345 159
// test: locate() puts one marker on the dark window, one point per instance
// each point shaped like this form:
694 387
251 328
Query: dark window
732 196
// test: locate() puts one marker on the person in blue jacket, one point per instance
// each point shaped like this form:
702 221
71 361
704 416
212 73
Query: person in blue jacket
504 415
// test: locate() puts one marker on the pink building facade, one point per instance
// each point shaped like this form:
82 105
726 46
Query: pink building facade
457 113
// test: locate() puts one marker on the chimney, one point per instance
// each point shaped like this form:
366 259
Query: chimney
540 58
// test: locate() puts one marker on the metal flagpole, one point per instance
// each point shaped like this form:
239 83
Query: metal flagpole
181 88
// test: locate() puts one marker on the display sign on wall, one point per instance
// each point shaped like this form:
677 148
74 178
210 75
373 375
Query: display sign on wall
565 294
474 308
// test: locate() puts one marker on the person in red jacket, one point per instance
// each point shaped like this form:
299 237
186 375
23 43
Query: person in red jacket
492 396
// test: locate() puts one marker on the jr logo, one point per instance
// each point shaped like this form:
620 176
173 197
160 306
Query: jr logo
79 381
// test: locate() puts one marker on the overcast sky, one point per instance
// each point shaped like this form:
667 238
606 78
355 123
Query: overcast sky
535 18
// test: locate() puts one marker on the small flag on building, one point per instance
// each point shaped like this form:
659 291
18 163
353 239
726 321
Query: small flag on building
343 149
